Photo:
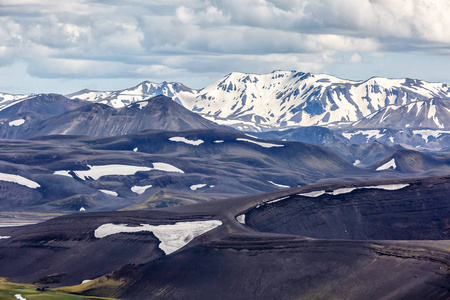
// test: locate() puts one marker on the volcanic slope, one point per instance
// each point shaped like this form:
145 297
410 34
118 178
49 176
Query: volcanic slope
102 120
372 240
67 173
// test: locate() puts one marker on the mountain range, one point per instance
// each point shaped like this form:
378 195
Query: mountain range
284 99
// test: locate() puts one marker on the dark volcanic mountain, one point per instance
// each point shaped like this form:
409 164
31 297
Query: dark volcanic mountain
377 240
45 105
102 120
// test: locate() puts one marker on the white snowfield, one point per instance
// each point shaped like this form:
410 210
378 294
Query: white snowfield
277 200
172 237
197 186
278 185
241 219
19 180
389 165
140 189
108 192
16 122
186 141
262 144
95 172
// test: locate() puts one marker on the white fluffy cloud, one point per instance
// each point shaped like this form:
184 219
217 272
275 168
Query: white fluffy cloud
137 38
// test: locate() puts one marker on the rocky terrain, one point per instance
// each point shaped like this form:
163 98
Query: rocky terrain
372 240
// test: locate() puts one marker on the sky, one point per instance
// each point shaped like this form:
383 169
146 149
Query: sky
65 46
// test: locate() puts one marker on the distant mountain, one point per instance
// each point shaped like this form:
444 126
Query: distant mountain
96 119
308 134
409 161
363 155
137 93
281 99
42 104
432 114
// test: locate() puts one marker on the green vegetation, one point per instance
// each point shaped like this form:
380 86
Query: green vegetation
8 290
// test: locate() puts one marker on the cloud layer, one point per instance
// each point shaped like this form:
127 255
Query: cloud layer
171 38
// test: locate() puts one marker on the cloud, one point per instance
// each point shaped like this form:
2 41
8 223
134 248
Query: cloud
105 39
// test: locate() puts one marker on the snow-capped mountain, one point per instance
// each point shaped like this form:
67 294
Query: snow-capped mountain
433 113
289 98
142 91
281 99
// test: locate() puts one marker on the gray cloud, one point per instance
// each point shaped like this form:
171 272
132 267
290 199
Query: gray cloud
137 38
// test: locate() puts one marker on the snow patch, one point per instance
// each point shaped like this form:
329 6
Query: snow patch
166 167
140 189
135 149
86 281
142 104
19 297
19 180
277 200
62 173
279 185
82 209
389 165
185 140
312 194
197 186
219 141
108 192
241 219
357 162
16 122
172 237
95 172
262 144
4 237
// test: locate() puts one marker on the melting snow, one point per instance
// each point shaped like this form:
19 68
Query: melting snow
389 165
172 237
63 173
262 144
135 149
185 140
312 194
140 189
86 281
389 187
219 141
277 200
279 185
241 219
142 104
16 122
4 237
197 186
96 172
82 209
19 297
19 180
166 167
357 162
112 193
